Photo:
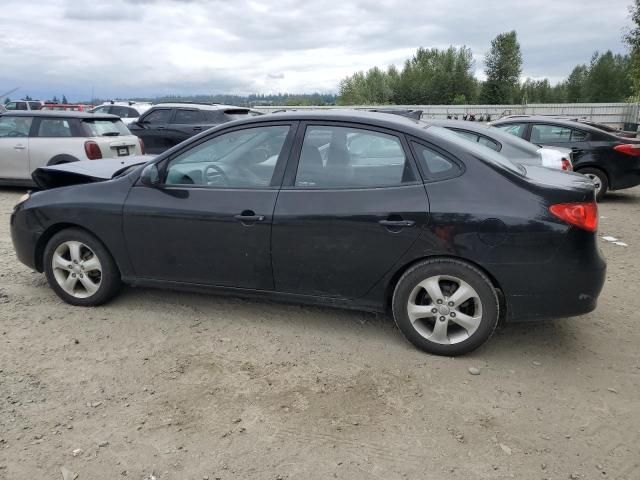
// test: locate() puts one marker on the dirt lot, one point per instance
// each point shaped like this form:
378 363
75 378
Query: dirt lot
182 386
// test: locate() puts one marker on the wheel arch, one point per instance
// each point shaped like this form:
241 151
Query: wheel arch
391 285
594 166
62 158
51 231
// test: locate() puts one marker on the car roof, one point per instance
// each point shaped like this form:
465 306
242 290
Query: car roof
471 126
201 106
388 120
61 114
548 120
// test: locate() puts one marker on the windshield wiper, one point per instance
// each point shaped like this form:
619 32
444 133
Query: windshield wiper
111 134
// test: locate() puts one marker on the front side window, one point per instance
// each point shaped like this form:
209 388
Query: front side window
345 157
187 117
16 106
54 127
240 159
162 115
15 126
542 133
516 129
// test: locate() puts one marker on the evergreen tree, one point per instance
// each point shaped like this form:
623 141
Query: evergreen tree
503 67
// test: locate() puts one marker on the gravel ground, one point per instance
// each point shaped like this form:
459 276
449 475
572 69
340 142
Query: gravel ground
170 385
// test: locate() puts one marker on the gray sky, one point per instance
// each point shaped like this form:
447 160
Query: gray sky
154 47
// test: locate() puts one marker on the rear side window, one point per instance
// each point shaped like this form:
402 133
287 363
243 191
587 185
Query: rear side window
344 157
15 126
106 128
124 112
516 129
434 164
542 133
16 106
54 127
162 115
35 105
187 116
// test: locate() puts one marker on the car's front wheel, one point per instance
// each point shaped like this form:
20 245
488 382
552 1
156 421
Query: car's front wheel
445 306
80 269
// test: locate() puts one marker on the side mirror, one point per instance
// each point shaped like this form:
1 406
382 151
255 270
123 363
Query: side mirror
150 176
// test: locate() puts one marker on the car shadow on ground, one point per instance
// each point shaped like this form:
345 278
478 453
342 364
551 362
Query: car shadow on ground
550 338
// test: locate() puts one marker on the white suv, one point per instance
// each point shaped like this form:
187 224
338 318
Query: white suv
32 139
127 111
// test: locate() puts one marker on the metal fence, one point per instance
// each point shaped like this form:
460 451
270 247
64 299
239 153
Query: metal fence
614 114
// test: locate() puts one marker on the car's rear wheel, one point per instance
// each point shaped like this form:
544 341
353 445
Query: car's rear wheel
599 179
80 269
445 306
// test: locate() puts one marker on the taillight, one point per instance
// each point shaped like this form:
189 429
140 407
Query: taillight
92 150
141 146
566 165
581 214
632 149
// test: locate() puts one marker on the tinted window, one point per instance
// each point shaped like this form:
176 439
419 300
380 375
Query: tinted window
435 165
578 135
54 127
123 112
158 116
16 106
541 133
35 105
15 126
239 159
187 116
482 140
516 129
351 157
106 128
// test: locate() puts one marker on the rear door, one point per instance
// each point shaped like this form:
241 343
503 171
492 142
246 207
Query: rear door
561 136
14 147
151 128
186 123
351 206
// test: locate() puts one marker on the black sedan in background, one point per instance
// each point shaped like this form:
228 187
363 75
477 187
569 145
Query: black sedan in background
612 162
362 210
167 124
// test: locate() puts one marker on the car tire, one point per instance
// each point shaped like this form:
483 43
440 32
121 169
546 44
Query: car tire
463 315
79 268
599 178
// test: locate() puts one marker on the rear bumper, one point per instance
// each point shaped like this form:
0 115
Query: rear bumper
565 287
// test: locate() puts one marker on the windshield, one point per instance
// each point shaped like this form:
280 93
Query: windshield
106 128
485 153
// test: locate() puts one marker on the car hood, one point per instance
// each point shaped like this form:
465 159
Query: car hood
88 171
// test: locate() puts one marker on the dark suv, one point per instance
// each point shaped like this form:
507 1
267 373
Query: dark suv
167 124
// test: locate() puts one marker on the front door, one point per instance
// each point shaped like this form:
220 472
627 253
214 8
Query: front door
210 220
14 147
352 208
152 129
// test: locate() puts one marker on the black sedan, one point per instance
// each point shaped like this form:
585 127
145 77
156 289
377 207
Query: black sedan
612 162
362 210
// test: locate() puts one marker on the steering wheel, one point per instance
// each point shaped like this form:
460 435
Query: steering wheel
214 172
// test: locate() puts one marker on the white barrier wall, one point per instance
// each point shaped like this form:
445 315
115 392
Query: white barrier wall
614 114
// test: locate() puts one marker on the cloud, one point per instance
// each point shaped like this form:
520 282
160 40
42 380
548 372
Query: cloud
147 47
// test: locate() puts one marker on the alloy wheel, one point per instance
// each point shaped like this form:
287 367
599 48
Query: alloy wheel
596 181
444 309
77 269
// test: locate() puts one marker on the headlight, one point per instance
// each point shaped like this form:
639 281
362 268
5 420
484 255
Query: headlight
23 199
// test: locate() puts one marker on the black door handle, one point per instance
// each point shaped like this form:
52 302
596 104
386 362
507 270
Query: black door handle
249 217
397 223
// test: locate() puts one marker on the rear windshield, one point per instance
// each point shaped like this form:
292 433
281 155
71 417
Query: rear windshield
485 153
106 128
238 113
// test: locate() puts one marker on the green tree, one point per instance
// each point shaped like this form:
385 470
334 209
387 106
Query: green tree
64 99
503 65
609 78
632 39
576 84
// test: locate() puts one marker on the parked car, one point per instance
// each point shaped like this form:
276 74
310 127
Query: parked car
24 105
29 140
128 112
66 107
601 126
612 162
167 124
2 108
515 149
446 234
610 129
